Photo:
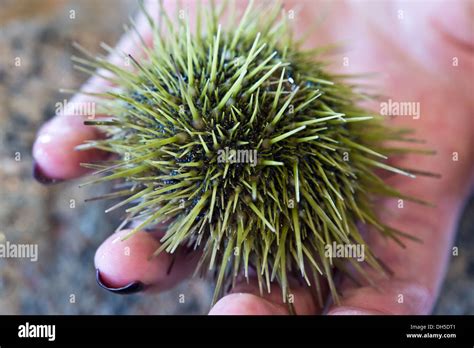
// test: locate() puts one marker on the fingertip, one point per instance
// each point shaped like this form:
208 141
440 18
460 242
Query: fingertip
122 262
127 262
246 304
54 149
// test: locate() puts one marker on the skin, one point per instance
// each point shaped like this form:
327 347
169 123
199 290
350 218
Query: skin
414 55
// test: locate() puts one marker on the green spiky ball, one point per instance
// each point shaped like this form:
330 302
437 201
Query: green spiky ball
254 153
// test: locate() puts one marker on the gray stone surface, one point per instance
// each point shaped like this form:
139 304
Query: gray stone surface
41 33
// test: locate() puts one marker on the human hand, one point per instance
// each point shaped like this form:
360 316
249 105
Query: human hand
422 73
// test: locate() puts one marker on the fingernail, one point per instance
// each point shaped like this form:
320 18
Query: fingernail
354 311
41 177
128 289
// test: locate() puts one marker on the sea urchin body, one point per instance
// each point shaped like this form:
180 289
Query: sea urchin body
247 147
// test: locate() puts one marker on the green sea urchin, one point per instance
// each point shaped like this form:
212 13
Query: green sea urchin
251 150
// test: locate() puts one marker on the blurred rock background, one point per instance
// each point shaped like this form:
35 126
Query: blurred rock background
67 230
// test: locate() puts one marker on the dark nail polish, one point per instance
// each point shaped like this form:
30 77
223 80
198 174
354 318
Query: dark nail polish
41 177
130 288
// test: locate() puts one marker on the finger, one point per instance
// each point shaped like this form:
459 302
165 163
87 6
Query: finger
245 299
125 266
54 149
247 304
